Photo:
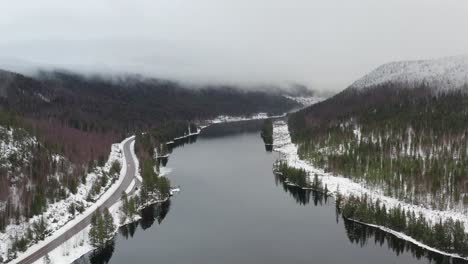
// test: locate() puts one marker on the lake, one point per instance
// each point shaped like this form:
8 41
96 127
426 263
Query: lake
232 209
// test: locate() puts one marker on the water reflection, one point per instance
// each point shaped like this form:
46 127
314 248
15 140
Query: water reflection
149 215
300 195
180 142
363 235
233 128
102 256
220 227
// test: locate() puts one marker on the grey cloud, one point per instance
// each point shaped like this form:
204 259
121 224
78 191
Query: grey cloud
323 44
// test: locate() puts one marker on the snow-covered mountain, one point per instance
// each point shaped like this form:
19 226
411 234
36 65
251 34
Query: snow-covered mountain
447 73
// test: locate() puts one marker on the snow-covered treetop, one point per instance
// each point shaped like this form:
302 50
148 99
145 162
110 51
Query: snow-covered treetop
447 73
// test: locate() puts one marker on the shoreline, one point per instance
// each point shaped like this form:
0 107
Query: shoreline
409 239
85 248
347 187
72 222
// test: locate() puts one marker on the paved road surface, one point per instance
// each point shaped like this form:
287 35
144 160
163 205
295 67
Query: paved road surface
129 176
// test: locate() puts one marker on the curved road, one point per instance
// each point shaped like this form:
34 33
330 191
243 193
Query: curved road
129 176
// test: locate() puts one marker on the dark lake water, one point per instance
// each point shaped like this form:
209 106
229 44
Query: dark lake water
232 209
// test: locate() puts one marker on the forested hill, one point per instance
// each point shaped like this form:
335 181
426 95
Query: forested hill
57 126
448 73
69 109
409 138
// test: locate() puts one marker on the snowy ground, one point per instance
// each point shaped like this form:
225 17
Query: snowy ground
15 147
79 244
347 187
409 239
306 101
59 219
71 250
226 119
447 73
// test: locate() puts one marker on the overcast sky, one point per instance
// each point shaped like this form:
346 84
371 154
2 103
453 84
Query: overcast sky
323 44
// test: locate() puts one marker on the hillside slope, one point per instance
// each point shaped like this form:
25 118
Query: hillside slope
444 74
81 116
408 138
57 127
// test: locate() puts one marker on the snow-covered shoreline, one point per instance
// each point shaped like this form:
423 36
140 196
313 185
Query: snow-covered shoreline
228 119
219 120
79 245
409 239
347 187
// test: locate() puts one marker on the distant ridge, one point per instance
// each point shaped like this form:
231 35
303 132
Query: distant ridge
448 73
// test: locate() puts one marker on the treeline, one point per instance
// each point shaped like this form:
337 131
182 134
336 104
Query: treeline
80 117
448 236
154 188
303 195
267 132
298 177
408 142
363 235
146 144
129 207
30 163
102 228
38 229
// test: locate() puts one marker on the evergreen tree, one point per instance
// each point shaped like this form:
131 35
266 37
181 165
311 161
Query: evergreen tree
132 207
102 228
125 205
109 226
40 227
93 231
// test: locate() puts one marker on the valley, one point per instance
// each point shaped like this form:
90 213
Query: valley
247 131
392 152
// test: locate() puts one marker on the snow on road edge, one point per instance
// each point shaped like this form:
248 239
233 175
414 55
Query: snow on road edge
80 242
86 213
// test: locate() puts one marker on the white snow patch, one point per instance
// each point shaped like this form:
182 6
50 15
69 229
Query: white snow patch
79 244
71 250
164 171
347 187
447 73
59 210
227 119
174 191
409 239
306 101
